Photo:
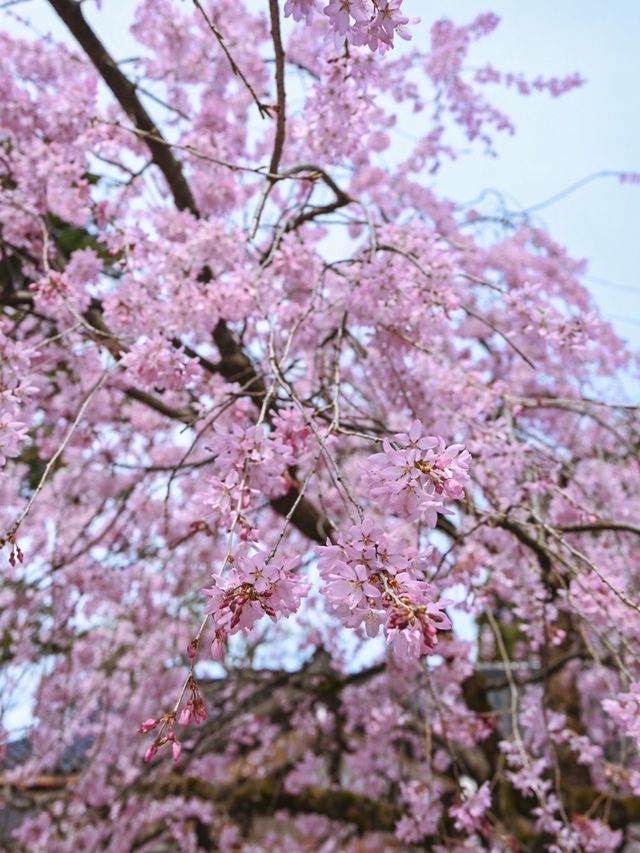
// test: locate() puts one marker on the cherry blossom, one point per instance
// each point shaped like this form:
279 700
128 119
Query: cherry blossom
370 581
415 474
250 589
624 709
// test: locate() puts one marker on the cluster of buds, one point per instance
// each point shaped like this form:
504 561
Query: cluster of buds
401 618
166 735
15 553
194 709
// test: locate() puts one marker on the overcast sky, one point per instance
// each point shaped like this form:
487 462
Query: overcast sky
560 141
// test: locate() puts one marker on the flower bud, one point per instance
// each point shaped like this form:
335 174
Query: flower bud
149 754
176 749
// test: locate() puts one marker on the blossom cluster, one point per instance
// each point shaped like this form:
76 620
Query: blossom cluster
373 23
253 460
251 588
254 364
625 711
424 811
416 474
59 293
259 455
154 363
371 579
446 64
469 813
15 389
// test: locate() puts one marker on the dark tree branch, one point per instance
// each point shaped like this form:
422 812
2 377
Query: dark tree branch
235 365
281 118
125 93
599 527
185 415
526 539
264 796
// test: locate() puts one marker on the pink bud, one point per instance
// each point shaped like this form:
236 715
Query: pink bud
199 712
185 716
150 753
217 649
148 726
176 749
192 649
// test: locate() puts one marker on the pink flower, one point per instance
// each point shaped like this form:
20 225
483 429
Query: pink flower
264 455
352 587
338 12
625 710
424 807
389 18
249 590
291 429
415 474
469 813
595 836
12 435
373 579
301 10
155 363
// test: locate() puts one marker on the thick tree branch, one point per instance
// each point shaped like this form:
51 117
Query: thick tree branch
235 365
281 118
264 796
185 415
600 527
125 93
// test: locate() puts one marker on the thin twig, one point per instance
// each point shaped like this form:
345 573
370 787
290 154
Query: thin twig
263 108
61 448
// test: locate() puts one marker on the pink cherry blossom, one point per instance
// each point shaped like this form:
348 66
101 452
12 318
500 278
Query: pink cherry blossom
415 474
469 813
247 343
368 579
251 589
624 709
301 10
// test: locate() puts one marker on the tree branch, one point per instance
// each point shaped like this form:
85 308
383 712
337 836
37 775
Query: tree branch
263 109
235 365
281 117
599 527
264 796
125 93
